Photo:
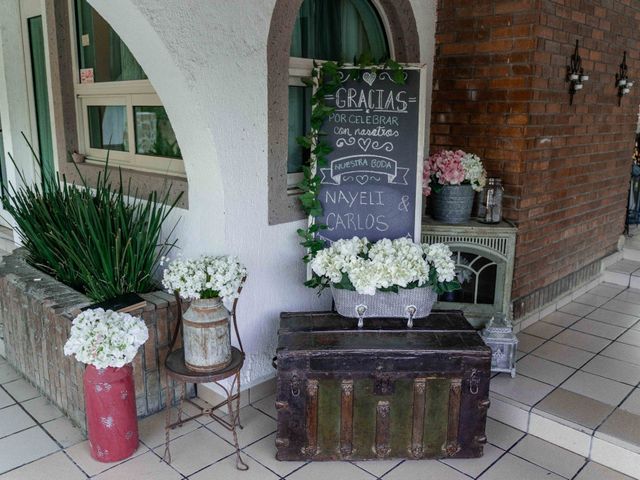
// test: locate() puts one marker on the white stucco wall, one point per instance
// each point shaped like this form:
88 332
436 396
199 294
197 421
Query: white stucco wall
14 104
207 62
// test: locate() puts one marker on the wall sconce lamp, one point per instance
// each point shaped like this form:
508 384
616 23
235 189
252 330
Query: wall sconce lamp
575 74
622 80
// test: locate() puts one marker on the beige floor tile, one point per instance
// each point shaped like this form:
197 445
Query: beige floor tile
196 450
422 470
624 352
264 452
578 309
592 299
225 469
324 470
543 370
631 337
563 354
256 425
595 471
632 403
574 409
81 455
143 467
613 369
475 466
549 456
5 399
522 389
14 419
42 409
561 319
631 295
624 266
596 387
621 426
24 447
607 290
54 467
527 343
152 433
613 318
599 329
65 433
502 435
582 341
267 405
622 307
8 374
510 466
543 330
378 467
21 390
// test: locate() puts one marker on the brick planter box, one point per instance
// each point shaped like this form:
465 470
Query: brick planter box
37 311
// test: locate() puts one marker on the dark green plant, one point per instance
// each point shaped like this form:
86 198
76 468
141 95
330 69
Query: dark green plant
101 240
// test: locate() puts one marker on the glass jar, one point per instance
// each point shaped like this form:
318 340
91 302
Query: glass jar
490 208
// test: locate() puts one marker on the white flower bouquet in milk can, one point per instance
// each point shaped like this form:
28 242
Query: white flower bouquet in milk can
388 278
107 342
206 282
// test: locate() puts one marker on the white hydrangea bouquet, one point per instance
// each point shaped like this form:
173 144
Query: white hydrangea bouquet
204 277
386 266
104 338
388 278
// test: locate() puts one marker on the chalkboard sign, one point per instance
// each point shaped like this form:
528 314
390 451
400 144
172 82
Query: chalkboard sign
372 184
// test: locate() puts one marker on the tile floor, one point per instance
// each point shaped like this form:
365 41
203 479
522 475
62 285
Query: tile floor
578 376
38 443
578 367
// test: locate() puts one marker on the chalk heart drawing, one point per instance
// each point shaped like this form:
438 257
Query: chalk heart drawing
364 143
362 179
369 77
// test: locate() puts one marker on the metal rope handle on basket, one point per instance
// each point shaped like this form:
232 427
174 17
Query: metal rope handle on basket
360 311
410 310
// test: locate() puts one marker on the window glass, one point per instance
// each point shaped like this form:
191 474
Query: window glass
154 134
100 48
339 30
299 121
108 127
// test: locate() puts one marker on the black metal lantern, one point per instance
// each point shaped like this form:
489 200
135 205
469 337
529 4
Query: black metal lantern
575 74
622 79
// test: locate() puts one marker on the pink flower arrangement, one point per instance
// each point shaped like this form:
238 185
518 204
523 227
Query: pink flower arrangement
452 167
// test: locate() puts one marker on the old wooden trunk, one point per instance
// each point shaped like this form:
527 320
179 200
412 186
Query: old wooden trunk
382 391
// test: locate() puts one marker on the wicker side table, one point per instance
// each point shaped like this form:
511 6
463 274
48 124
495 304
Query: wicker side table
177 370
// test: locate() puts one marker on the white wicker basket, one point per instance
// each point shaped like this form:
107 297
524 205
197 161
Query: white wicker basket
407 303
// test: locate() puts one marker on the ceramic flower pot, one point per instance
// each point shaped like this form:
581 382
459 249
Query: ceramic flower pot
452 204
110 402
206 335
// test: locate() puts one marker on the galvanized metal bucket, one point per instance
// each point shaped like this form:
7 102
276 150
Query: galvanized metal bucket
206 335
407 303
452 204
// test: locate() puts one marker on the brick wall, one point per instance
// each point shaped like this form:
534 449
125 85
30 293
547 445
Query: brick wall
500 92
36 312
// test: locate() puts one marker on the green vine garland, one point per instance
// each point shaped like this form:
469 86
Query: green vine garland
325 82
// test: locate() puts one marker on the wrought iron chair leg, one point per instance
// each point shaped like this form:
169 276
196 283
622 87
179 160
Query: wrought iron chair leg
238 403
166 456
234 420
183 393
